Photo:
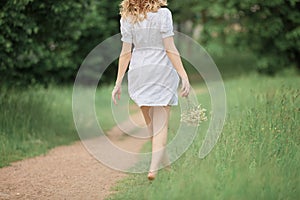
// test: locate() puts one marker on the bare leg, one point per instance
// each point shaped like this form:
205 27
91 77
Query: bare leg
166 161
148 114
159 141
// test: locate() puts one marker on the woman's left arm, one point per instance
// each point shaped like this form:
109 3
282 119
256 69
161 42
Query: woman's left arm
124 60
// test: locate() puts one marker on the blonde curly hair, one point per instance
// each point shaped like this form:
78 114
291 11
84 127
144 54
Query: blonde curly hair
137 9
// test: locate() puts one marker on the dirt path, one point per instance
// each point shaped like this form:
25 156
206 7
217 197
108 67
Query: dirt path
67 172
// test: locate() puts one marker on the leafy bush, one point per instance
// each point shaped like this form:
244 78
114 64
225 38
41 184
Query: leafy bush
44 42
269 28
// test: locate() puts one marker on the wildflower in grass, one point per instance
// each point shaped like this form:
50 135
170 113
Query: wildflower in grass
193 115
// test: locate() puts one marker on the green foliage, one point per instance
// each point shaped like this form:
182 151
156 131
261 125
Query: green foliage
269 28
44 42
256 157
273 25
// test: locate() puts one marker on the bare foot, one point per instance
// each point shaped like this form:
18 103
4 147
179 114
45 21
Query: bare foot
151 176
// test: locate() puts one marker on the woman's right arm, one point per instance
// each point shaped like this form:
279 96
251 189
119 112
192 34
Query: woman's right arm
174 57
124 60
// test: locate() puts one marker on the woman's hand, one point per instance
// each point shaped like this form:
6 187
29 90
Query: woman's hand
116 91
185 87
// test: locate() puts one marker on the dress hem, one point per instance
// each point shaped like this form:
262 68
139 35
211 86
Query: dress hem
157 105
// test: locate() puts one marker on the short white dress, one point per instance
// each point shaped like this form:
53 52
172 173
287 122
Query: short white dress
152 79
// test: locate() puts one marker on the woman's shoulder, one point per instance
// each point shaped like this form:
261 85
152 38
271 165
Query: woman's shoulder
164 10
126 21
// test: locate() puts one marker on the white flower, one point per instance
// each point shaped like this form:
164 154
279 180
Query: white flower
194 115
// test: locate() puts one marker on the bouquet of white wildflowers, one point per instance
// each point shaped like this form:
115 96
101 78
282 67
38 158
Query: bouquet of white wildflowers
194 114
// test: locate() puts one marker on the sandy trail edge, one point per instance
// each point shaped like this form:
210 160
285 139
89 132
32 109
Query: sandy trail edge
67 172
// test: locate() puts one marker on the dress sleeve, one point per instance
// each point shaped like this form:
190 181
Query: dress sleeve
126 31
167 24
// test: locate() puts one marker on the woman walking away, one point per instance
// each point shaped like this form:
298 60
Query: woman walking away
154 67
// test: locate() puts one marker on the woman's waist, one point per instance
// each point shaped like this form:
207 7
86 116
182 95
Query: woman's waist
139 61
151 66
146 43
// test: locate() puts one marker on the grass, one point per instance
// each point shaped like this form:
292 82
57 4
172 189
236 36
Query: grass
256 157
35 120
